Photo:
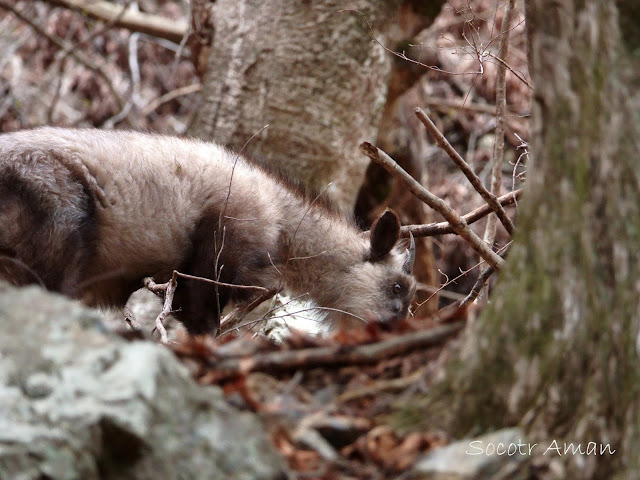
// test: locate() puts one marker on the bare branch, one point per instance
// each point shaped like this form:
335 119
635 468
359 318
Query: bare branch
135 21
169 290
501 107
443 143
444 228
336 356
458 224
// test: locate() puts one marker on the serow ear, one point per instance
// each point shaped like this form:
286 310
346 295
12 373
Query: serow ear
384 235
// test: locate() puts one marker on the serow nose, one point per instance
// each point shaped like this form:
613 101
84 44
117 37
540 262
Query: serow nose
397 307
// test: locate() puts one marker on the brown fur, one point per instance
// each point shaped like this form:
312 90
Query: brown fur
89 213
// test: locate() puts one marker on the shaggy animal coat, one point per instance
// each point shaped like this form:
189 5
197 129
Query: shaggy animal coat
90 213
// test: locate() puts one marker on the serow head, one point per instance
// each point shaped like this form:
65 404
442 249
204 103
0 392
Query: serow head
381 286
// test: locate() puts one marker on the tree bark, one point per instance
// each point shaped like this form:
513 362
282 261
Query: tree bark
556 350
309 70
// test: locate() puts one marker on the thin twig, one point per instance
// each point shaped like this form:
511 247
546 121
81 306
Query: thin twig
458 224
524 146
262 318
402 55
167 97
284 315
446 283
222 228
517 74
443 143
169 290
444 228
501 252
221 284
217 268
477 287
230 321
458 297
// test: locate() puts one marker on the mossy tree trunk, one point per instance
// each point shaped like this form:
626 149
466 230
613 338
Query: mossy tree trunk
556 351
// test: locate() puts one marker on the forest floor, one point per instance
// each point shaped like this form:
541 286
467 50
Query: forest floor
333 406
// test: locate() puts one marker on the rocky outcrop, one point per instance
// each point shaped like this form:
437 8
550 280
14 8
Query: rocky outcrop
78 402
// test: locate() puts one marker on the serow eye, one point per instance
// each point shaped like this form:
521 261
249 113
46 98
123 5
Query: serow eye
397 288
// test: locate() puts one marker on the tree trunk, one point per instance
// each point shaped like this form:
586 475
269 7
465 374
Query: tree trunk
556 350
310 71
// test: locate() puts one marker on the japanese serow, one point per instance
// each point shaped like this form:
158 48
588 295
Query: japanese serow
90 213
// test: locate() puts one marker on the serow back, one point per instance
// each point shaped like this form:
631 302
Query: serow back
90 213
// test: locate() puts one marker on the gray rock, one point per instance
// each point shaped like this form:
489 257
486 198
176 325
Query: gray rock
496 455
77 402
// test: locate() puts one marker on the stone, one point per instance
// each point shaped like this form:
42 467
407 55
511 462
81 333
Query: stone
79 402
493 456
